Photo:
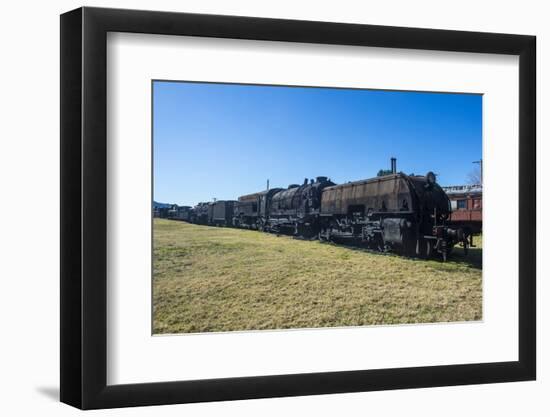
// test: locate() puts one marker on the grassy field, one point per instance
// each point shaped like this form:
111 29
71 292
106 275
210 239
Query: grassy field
209 279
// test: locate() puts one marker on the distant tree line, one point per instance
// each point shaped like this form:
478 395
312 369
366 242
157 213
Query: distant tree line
383 172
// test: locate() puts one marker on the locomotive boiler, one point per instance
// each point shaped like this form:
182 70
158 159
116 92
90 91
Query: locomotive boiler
297 208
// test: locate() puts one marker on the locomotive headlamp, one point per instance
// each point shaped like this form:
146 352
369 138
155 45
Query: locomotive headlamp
430 177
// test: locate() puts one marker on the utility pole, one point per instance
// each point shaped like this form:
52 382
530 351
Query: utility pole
480 162
268 184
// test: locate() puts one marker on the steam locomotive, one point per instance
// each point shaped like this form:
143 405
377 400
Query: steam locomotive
407 214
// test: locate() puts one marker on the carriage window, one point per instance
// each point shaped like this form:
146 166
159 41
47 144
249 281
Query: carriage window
461 204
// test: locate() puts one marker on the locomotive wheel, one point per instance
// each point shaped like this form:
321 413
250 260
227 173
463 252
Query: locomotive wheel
409 247
420 246
429 247
424 248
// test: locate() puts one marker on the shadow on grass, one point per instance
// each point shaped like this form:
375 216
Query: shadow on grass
474 258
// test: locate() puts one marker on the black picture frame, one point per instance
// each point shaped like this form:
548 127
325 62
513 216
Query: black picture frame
84 207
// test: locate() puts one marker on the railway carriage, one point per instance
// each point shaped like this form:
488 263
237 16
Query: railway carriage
222 212
251 211
467 206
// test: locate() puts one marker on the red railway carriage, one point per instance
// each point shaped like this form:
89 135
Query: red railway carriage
467 206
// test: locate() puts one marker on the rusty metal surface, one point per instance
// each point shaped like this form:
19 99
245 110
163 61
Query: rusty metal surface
388 193
467 215
471 197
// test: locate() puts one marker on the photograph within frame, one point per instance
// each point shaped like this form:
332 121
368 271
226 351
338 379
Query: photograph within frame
359 250
148 58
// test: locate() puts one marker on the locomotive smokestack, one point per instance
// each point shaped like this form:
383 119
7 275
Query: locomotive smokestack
394 166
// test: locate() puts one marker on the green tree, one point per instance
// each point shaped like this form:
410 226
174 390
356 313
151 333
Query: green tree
383 172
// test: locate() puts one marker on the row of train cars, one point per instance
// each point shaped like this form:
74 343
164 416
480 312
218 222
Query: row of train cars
407 214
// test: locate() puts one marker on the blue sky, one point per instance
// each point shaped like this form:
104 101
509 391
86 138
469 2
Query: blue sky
225 140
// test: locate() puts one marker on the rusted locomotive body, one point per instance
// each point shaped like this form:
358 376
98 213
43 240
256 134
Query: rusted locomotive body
393 212
222 212
179 213
296 209
201 213
252 210
173 212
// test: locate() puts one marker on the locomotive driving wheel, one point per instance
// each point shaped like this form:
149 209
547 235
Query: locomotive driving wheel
429 248
423 248
324 235
418 250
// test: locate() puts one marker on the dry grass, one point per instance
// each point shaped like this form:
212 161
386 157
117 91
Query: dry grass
209 279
